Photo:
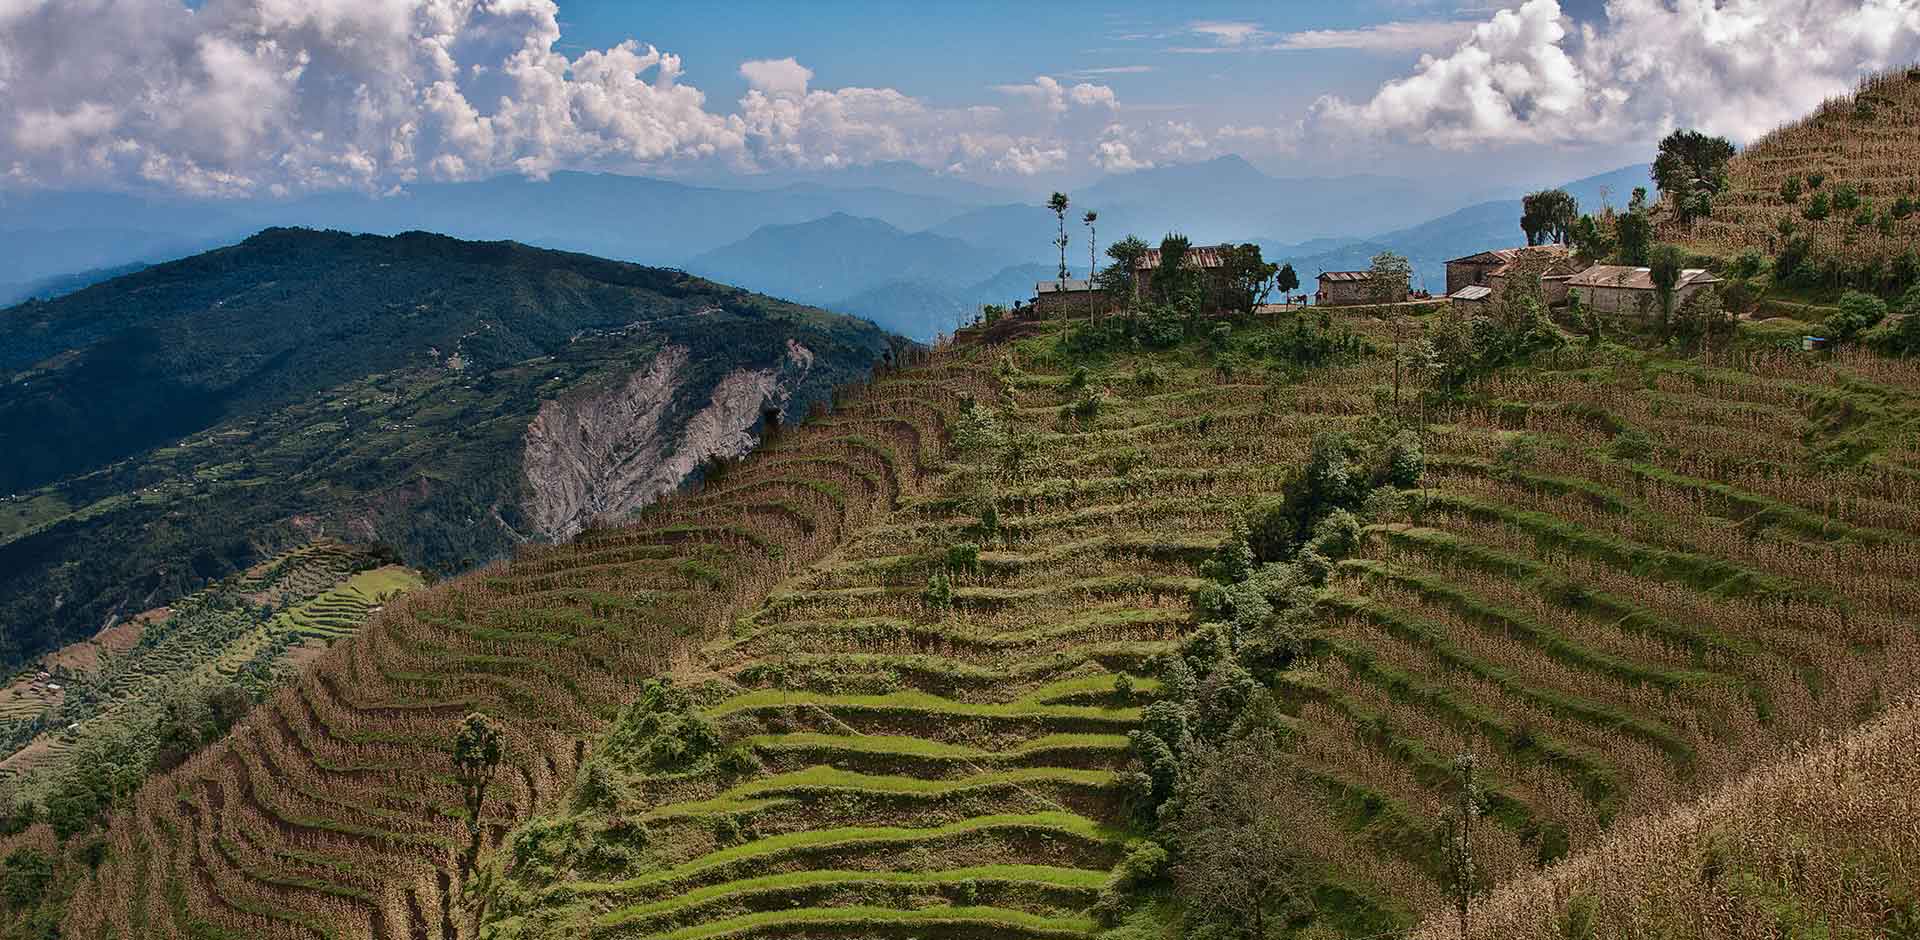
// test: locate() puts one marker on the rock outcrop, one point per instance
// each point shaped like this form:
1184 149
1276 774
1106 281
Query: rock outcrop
604 453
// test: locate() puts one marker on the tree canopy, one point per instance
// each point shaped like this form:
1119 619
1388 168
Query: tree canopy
1692 167
1549 216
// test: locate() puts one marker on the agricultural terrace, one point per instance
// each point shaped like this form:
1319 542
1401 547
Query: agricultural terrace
967 657
1846 179
1785 850
1619 581
249 631
335 809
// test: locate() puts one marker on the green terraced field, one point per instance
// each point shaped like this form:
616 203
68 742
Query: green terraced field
906 668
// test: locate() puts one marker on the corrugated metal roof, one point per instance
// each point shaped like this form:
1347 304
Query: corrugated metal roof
1067 286
1617 275
1346 276
1476 292
1198 256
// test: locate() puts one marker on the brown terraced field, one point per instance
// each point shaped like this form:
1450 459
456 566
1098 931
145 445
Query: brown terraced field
1622 581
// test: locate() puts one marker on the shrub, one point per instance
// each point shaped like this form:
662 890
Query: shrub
1817 207
1858 313
1790 189
1631 444
1749 263
662 731
1148 377
1085 406
1406 460
938 594
1904 206
1123 687
1846 198
963 557
28 873
1815 179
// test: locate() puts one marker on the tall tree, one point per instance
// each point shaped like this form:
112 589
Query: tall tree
1058 203
1093 242
1287 280
1462 869
1692 167
1665 265
477 748
1391 278
1170 278
1635 234
1118 278
1249 278
1549 216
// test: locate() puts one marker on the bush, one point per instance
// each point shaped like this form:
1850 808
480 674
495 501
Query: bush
1858 313
938 594
1846 198
1817 207
1815 179
662 731
1790 189
1631 444
963 557
28 873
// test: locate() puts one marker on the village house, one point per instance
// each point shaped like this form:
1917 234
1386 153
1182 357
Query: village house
1556 265
1613 288
1209 259
1349 288
1068 298
1471 298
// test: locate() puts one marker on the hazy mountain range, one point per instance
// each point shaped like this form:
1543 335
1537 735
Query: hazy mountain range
908 248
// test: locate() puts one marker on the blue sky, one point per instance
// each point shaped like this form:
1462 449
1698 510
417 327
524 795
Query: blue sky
240 98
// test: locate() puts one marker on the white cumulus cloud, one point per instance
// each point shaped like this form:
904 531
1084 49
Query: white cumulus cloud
1734 67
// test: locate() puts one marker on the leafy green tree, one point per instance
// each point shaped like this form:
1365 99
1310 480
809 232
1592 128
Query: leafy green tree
1549 216
1172 278
1249 278
1692 167
1237 868
1818 208
1592 242
1057 203
1287 281
1392 277
28 874
477 748
1790 188
1665 266
1859 312
1118 278
1635 233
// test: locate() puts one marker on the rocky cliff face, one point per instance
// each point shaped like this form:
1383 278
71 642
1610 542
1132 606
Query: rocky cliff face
604 453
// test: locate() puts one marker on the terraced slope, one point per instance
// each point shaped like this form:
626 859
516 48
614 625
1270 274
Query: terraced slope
1623 580
905 645
250 630
1810 844
332 811
1856 151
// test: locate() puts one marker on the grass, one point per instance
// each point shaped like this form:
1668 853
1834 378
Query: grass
1074 878
858 918
1053 824
921 703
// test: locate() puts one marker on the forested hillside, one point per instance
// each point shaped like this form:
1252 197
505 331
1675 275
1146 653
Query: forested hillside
181 423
